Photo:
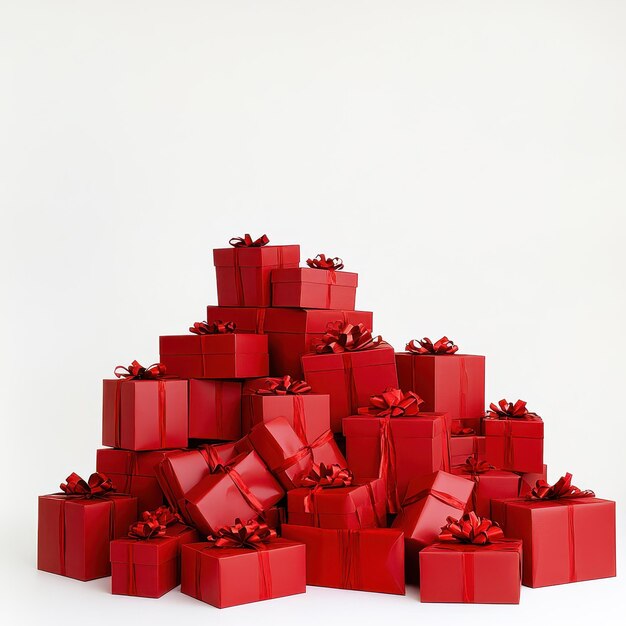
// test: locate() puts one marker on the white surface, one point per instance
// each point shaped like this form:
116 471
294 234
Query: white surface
466 158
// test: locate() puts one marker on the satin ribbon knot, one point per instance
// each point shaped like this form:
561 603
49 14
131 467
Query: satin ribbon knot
345 337
426 346
136 371
247 242
470 528
562 488
284 386
248 536
98 484
213 328
393 403
508 410
327 476
474 466
322 262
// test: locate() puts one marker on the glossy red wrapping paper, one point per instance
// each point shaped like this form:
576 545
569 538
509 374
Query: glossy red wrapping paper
74 533
466 446
565 540
350 378
244 274
529 479
514 444
149 568
227 577
489 485
458 572
230 355
144 414
362 560
214 409
309 288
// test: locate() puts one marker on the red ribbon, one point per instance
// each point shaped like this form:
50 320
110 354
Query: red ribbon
426 346
562 488
146 529
322 262
252 501
393 403
349 558
472 529
247 242
98 484
213 328
306 450
327 476
346 337
474 466
442 496
284 386
507 410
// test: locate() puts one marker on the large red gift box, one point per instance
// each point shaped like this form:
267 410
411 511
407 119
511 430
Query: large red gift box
149 568
514 444
287 455
214 409
144 414
566 539
224 355
309 288
243 489
227 577
244 273
465 446
362 560
350 378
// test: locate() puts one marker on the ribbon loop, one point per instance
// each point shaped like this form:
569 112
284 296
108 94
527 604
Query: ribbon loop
136 371
284 386
393 403
508 410
470 528
345 337
247 242
327 476
213 328
426 346
562 488
99 484
322 262
250 535
474 466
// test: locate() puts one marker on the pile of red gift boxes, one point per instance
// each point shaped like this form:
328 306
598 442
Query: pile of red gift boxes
281 443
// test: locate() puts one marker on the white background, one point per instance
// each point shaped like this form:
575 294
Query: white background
466 158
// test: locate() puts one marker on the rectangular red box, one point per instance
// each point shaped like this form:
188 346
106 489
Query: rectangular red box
514 444
489 485
309 288
144 414
214 409
463 447
363 560
74 533
227 577
458 572
350 378
448 383
244 274
230 355
149 568
421 445
354 507
565 540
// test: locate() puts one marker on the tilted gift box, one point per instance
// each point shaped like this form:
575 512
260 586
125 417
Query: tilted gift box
227 355
149 568
287 455
467 445
227 577
310 288
144 414
244 273
514 444
214 409
362 560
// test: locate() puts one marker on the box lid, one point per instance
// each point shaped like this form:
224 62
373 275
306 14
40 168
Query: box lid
266 256
529 428
311 275
314 321
242 343
381 355
418 426
150 551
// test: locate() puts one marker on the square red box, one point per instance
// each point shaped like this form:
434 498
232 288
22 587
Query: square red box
465 446
514 444
214 409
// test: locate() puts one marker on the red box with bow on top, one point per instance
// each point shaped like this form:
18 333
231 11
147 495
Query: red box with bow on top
513 437
428 502
287 455
447 382
363 560
568 534
140 413
215 409
465 446
267 398
244 271
243 489
75 527
528 480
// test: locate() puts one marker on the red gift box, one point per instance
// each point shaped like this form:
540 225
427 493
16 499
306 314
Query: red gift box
514 444
529 479
309 288
350 378
566 539
362 560
287 455
214 409
75 530
149 568
243 273
467 426
243 489
144 414
227 355
465 446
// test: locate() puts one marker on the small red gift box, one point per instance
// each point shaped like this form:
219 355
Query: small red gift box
465 446
287 455
226 355
362 560
149 568
75 528
309 288
214 409
144 414
243 489
243 272
568 534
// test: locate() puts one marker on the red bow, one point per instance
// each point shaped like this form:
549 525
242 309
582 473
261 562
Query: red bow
346 337
470 528
321 262
240 535
136 371
165 515
147 528
214 328
562 488
474 466
247 242
393 403
426 346
98 484
459 431
507 410
327 476
284 386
